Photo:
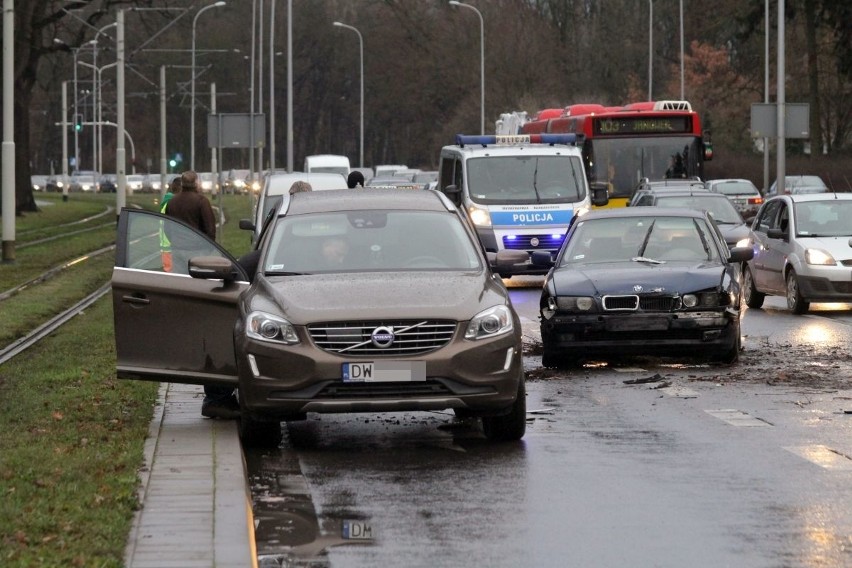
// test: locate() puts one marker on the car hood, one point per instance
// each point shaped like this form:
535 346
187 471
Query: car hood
625 277
734 233
379 295
839 247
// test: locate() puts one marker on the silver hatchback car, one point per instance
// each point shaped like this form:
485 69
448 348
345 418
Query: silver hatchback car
360 301
802 250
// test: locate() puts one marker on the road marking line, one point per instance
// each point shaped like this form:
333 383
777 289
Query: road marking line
738 418
823 456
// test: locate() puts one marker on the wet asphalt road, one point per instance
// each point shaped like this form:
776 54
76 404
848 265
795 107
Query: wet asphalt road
694 470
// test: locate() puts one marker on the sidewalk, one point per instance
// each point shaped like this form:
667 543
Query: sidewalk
195 505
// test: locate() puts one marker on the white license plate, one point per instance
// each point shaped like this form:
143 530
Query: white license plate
384 371
357 530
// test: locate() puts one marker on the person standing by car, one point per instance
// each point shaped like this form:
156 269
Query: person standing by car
355 179
194 209
165 244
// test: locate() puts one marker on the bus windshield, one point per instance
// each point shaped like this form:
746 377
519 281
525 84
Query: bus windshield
526 179
623 162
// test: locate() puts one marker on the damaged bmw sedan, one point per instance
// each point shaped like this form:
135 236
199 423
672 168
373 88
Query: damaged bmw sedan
357 301
642 281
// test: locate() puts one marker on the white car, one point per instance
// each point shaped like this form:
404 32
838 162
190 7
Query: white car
276 188
799 184
801 251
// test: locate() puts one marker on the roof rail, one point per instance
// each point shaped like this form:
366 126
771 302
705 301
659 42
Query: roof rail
672 105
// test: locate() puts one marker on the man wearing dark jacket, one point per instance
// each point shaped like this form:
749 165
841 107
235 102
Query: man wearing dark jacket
194 209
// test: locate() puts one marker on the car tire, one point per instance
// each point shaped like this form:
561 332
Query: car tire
512 426
795 302
731 355
752 297
257 433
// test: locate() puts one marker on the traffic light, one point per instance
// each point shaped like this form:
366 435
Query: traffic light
78 122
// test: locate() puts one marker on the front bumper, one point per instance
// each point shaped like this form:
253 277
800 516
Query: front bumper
834 284
638 333
280 382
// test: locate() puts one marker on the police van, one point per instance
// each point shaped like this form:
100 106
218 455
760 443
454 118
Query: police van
520 192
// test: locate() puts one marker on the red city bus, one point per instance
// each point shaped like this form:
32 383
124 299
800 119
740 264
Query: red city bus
623 145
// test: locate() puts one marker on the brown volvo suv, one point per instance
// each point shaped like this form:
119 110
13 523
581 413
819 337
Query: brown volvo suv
357 301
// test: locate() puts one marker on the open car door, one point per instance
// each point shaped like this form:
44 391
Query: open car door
170 326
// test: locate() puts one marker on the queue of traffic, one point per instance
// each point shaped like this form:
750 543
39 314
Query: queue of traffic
388 299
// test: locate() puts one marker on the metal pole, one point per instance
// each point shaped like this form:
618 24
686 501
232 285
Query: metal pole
289 85
361 48
260 81
780 175
163 160
8 152
120 161
272 85
76 112
192 88
682 93
214 164
650 50
64 140
251 94
95 118
766 93
481 60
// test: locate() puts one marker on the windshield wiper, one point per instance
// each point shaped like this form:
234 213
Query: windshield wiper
282 273
535 182
647 238
648 260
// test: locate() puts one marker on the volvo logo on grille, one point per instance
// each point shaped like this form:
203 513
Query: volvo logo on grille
534 241
382 337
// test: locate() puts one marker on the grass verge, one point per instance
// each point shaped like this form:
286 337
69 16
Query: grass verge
71 434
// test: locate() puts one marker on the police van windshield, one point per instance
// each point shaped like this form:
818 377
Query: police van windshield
526 179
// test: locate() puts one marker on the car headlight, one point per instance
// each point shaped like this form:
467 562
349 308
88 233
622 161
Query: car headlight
480 217
819 257
706 299
266 327
489 323
571 303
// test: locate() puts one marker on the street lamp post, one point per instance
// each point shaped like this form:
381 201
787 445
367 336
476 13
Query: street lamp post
192 95
361 46
481 60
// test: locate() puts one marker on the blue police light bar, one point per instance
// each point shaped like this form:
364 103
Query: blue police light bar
516 139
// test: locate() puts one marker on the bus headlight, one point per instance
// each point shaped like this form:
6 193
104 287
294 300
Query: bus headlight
480 217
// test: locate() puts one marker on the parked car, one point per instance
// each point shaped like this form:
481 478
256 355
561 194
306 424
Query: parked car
397 182
237 181
39 182
84 181
107 184
661 185
730 222
641 281
798 184
743 194
801 251
135 183
409 318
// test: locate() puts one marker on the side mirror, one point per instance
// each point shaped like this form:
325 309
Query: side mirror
509 258
247 225
741 254
212 268
541 258
776 234
600 193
